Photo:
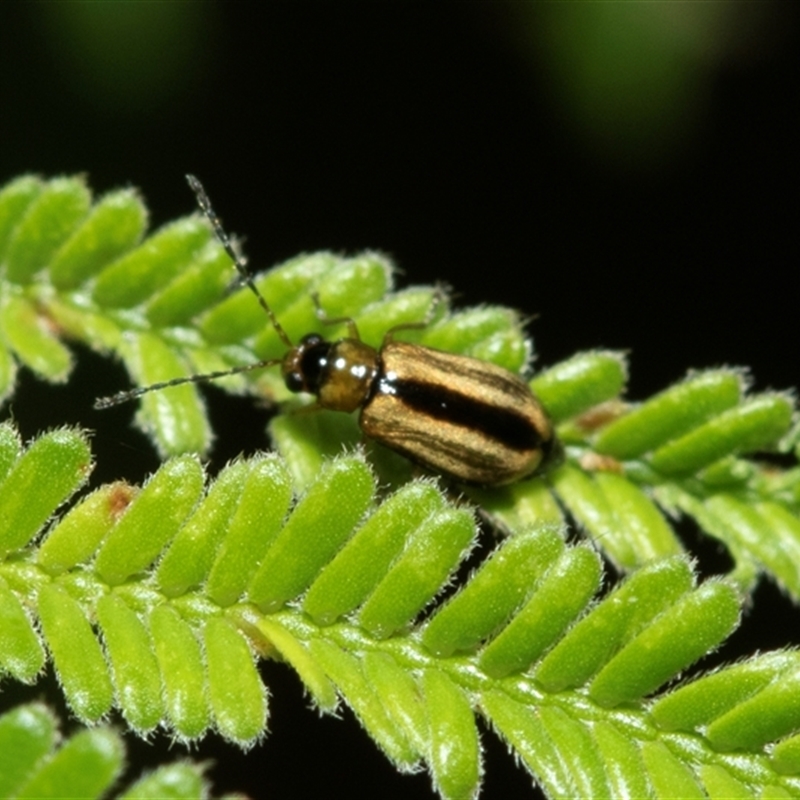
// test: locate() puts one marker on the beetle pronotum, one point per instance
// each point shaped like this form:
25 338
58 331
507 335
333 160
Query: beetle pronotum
465 418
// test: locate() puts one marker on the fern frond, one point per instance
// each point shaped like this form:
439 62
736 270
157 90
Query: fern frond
35 763
158 304
158 600
129 622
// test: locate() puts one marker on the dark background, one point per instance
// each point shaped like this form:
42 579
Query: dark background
628 173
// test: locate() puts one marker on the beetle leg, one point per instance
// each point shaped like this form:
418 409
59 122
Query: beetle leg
439 297
352 328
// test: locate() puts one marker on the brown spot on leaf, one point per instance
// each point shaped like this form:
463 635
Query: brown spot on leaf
601 414
594 462
120 496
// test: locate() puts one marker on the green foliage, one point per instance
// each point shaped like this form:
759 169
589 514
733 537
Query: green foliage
36 763
159 600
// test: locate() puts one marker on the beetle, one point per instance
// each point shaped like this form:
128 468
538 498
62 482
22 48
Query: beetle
467 419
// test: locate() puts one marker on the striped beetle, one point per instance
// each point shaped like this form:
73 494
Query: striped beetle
465 418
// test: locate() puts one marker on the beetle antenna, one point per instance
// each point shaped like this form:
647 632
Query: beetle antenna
224 240
132 394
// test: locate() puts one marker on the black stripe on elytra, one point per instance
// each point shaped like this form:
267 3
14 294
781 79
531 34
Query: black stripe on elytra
504 425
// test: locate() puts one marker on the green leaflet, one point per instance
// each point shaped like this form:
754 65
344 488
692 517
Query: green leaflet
580 383
36 763
545 617
698 622
239 318
182 668
48 220
618 514
151 522
115 225
453 752
48 472
755 424
27 334
15 199
431 555
765 717
405 306
77 535
176 415
490 598
180 781
523 729
399 696
786 756
672 413
291 649
10 447
354 685
27 734
631 608
191 291
77 655
311 536
579 751
345 582
134 668
709 697
670 778
238 699
260 511
492 334
134 277
21 653
89 761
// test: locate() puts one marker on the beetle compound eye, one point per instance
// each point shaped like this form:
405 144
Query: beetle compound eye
313 363
293 381
304 365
